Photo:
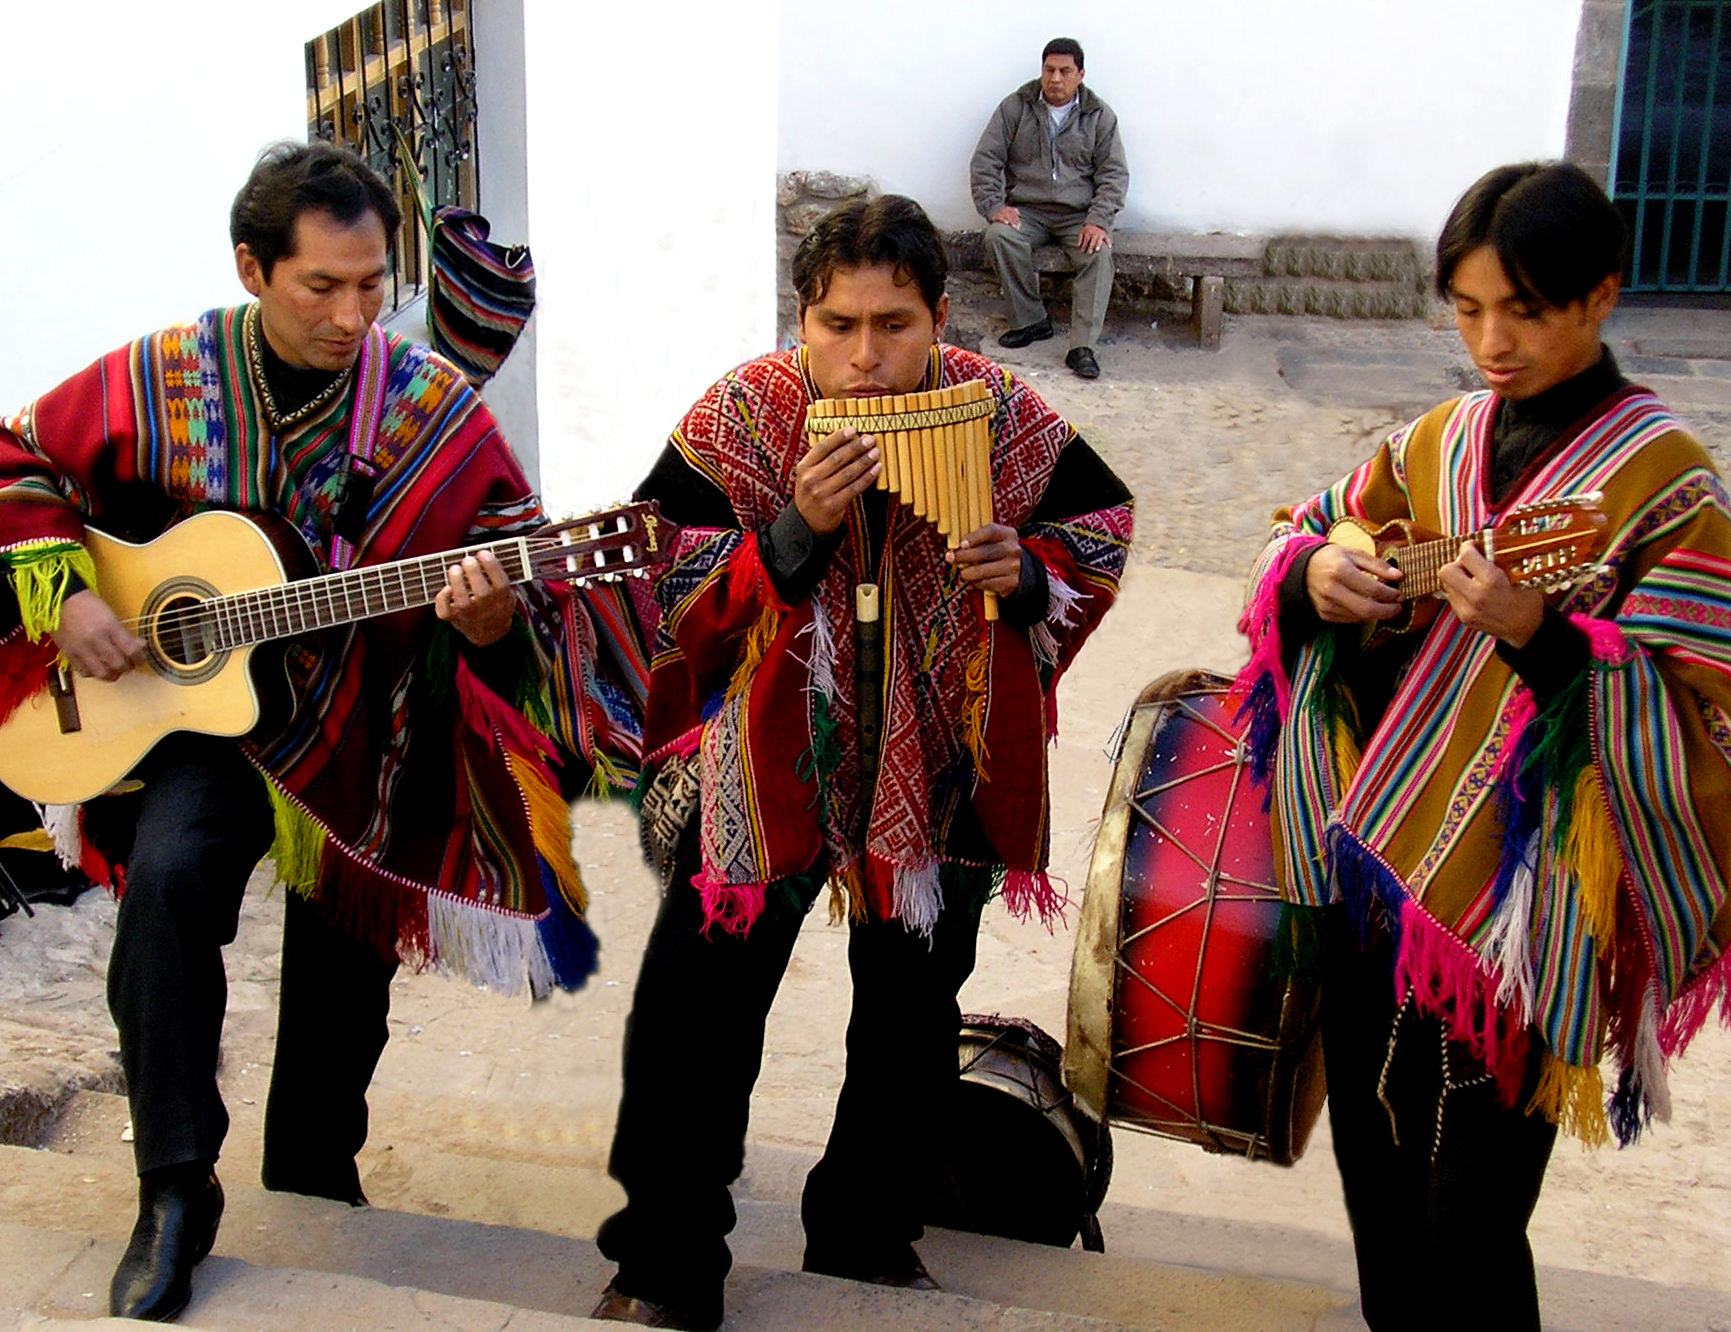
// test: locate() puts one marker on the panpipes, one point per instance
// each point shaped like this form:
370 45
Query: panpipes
934 450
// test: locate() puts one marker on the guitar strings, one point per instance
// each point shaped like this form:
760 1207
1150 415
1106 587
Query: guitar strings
247 606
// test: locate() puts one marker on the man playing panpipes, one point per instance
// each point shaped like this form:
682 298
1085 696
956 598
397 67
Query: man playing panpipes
1502 837
405 793
759 796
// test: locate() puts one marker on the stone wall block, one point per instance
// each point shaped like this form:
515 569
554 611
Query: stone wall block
788 188
801 218
831 185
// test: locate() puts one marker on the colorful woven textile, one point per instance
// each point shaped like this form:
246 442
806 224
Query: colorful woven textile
413 801
1559 874
764 691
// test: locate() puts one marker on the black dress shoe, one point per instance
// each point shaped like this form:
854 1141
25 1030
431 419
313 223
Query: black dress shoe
177 1221
618 1307
1081 360
908 1276
1021 337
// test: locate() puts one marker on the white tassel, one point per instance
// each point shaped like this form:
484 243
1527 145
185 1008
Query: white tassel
917 898
1509 947
1061 603
1648 1060
61 823
821 663
487 948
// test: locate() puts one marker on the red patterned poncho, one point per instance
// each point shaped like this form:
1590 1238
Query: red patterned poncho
764 691
414 803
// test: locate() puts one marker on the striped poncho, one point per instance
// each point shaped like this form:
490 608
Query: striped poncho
764 692
1557 874
415 803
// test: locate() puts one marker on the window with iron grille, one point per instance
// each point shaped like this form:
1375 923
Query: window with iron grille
408 64
1673 165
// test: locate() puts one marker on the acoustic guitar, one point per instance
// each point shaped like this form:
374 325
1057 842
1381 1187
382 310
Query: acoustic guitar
78 737
1550 544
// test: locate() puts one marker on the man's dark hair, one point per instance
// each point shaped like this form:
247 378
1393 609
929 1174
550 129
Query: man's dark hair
1064 46
890 229
1556 233
294 178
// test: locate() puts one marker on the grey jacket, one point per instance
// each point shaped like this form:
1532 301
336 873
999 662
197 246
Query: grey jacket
1017 162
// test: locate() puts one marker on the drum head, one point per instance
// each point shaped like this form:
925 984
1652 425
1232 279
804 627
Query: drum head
1017 1158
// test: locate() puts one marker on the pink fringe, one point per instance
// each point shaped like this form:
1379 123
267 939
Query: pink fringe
735 907
1448 982
1606 640
682 746
1690 1010
1260 623
1035 890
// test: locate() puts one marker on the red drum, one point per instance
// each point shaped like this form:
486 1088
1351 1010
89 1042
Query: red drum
1176 1026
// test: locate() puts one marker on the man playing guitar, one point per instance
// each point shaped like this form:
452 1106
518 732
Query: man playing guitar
395 788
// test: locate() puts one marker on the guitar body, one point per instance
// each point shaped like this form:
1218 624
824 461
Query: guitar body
1385 543
61 748
256 585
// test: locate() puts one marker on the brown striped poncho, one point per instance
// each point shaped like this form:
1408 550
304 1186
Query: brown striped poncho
1558 875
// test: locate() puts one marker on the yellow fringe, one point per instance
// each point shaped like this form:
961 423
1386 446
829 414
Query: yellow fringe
974 715
1574 1100
39 578
757 641
847 895
299 846
550 826
605 778
1592 852
1346 753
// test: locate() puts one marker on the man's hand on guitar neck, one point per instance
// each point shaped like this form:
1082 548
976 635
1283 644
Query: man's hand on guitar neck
92 638
477 599
1350 587
1483 598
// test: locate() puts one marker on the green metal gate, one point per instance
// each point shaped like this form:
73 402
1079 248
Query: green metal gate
1672 177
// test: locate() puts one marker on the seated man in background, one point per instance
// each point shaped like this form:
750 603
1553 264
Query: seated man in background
1050 167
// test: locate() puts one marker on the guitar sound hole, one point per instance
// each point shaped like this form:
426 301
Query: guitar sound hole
183 638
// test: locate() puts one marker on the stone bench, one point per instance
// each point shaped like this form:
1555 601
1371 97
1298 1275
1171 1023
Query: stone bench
1206 260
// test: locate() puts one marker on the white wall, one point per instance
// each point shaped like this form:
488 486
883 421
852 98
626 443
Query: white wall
651 148
1356 117
125 136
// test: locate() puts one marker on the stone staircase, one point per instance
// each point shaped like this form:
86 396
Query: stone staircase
285 1262
516 1253
486 1164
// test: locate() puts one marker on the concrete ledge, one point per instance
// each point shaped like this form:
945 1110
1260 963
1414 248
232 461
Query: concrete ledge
1144 258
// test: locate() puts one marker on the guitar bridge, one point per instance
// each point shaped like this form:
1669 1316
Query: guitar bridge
65 697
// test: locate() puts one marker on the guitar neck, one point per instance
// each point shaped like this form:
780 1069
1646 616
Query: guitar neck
243 619
1422 562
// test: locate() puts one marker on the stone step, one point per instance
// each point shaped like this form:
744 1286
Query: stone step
1163 1268
288 1262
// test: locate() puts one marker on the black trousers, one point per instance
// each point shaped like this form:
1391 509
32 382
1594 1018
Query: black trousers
203 822
1441 1182
693 1050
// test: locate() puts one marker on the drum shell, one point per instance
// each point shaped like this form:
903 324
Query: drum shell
1177 1026
1018 1157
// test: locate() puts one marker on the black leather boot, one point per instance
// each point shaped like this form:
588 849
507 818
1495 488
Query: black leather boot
178 1212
